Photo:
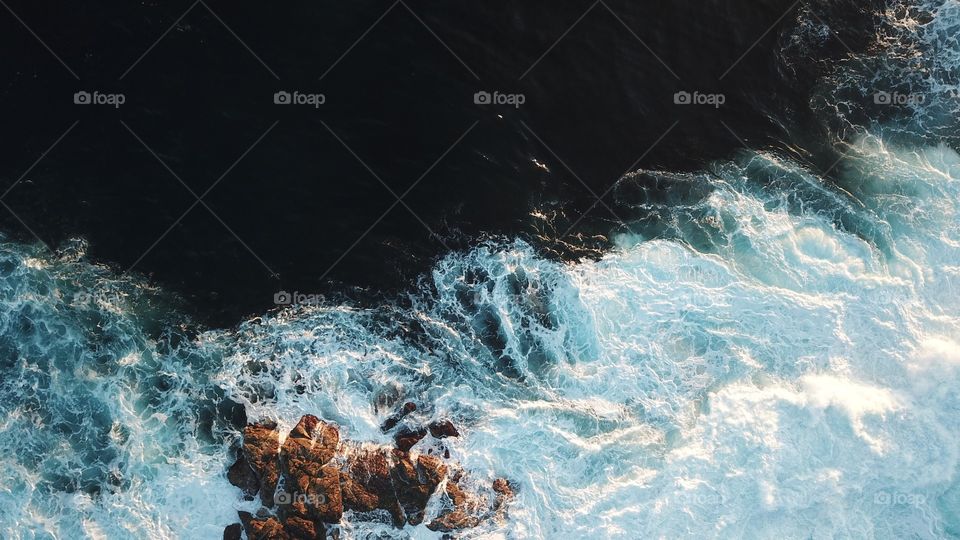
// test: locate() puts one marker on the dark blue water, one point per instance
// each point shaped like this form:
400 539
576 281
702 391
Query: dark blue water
598 102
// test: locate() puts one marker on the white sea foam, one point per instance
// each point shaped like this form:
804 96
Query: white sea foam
794 379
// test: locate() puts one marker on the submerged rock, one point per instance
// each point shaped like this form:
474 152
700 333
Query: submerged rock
396 417
233 532
407 437
443 428
414 482
464 509
242 475
308 482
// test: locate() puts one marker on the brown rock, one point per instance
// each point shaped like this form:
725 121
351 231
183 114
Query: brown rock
395 418
299 528
442 429
313 485
414 483
260 445
266 529
365 481
460 516
313 441
467 510
319 489
503 490
406 438
432 470
452 521
233 532
456 494
317 497
462 513
243 476
356 496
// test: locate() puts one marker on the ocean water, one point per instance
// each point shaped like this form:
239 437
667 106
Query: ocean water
779 358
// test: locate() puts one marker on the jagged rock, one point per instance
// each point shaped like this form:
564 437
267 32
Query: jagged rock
462 511
503 490
441 429
312 443
312 484
457 495
317 497
407 437
365 483
260 444
322 477
466 510
452 521
298 527
265 529
243 476
396 417
414 483
432 472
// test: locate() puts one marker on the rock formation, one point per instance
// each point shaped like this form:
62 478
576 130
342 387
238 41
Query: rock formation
306 484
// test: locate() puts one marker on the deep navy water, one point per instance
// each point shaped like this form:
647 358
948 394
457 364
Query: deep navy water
598 103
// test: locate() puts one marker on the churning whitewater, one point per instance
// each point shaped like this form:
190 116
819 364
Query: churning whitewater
781 360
